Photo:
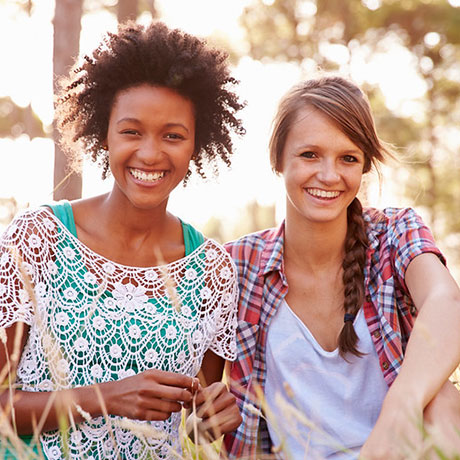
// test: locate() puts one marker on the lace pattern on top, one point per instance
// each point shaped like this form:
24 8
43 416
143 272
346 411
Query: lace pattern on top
92 320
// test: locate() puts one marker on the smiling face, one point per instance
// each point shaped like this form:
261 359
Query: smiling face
150 138
322 168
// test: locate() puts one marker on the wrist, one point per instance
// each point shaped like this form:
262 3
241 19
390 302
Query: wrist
404 396
91 401
102 392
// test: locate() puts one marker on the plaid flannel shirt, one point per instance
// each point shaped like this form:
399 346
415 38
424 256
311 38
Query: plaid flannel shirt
396 236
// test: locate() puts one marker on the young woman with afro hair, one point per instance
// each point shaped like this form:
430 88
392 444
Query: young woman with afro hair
121 312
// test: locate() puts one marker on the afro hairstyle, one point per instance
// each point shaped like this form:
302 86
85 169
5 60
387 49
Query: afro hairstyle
159 56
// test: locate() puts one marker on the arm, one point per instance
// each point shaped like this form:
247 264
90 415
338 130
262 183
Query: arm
216 406
432 353
151 395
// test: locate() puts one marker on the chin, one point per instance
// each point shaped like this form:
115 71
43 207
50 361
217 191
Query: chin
145 204
324 217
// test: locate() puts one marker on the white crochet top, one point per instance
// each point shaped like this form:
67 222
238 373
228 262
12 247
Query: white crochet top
93 320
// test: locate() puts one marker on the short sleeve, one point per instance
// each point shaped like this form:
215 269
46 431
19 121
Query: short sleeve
225 309
21 255
409 237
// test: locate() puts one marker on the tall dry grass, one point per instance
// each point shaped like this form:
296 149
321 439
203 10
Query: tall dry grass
294 418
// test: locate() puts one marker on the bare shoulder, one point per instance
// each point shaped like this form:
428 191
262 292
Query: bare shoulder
86 207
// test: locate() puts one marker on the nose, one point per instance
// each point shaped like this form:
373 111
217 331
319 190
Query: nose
328 172
149 150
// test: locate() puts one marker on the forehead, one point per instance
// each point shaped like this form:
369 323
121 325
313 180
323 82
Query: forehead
312 126
155 100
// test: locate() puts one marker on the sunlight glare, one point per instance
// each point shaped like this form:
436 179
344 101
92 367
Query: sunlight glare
262 84
372 4
306 9
432 39
335 52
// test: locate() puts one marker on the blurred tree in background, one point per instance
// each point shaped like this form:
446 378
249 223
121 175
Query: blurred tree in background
252 218
66 45
16 121
330 34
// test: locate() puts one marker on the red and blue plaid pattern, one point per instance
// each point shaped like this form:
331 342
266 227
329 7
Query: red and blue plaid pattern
396 236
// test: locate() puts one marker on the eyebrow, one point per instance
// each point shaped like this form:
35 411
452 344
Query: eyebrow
316 147
135 120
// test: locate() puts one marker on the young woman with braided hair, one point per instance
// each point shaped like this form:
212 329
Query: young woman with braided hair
348 318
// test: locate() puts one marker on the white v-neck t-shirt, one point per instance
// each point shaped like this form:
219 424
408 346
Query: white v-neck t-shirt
333 405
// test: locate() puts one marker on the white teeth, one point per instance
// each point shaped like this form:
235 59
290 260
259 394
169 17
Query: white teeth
147 177
322 193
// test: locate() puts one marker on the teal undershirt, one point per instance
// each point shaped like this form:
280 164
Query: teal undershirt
63 211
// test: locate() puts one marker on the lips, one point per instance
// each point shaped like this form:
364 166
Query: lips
144 176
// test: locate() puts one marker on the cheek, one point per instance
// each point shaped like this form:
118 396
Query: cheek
288 177
355 180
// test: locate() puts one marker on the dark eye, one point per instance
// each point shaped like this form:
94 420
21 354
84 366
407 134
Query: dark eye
308 154
174 136
131 132
350 159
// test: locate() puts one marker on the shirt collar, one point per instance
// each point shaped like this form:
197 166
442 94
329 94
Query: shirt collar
272 254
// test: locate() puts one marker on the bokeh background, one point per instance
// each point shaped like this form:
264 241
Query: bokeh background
404 53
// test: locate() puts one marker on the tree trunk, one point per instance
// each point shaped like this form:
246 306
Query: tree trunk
67 27
127 9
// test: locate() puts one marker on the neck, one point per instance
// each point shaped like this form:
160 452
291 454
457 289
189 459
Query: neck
129 222
314 246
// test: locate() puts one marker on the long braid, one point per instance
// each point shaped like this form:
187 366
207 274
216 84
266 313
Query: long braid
353 276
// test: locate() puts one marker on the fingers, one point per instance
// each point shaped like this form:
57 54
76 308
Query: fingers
222 399
222 422
168 385
159 391
210 393
217 411
150 395
161 405
172 379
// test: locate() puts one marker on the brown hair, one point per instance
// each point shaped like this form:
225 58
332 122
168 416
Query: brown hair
346 104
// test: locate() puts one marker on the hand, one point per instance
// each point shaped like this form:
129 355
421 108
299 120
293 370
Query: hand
442 420
150 395
397 434
216 412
